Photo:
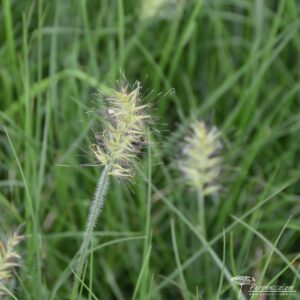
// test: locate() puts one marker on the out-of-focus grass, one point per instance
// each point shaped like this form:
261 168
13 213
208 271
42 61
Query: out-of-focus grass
232 63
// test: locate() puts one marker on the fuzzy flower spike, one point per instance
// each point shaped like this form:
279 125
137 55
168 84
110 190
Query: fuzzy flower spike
160 9
9 259
116 149
201 162
118 145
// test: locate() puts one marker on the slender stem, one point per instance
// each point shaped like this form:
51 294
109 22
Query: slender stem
202 224
94 212
201 211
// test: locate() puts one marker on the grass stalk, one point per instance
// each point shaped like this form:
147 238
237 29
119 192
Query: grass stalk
202 224
94 213
201 211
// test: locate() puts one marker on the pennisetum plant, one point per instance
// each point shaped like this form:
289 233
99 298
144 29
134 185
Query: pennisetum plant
9 259
201 165
115 150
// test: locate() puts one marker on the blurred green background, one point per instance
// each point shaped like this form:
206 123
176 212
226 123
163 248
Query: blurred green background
231 63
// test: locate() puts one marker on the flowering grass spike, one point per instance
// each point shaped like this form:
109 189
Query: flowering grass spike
121 141
9 259
200 162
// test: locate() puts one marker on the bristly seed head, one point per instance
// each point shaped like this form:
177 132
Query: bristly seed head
119 143
200 162
9 259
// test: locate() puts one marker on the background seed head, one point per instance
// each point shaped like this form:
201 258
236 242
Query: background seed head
200 161
118 145
9 259
160 9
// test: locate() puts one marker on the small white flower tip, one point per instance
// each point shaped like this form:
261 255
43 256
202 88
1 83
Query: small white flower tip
160 9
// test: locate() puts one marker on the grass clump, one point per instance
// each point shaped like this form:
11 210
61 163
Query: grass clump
230 62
